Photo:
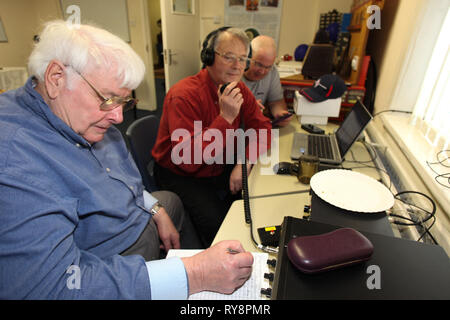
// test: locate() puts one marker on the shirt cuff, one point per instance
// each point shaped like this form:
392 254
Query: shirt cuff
149 200
168 279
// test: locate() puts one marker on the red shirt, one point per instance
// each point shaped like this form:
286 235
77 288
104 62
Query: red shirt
194 152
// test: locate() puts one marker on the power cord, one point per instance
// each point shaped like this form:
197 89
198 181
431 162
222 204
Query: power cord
247 211
398 111
441 162
412 222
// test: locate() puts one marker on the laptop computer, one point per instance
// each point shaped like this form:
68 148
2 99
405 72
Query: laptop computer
332 148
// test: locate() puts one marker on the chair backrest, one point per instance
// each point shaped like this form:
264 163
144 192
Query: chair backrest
318 61
141 135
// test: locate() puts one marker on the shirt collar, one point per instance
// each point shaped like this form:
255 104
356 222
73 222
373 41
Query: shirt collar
35 103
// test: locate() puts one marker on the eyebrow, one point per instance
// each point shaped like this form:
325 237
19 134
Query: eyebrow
109 94
242 56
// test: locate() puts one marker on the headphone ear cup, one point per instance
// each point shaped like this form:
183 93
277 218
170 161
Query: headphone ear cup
207 56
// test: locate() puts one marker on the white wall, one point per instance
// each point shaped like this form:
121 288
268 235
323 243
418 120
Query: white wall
398 41
299 22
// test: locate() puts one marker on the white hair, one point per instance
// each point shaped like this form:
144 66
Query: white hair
84 48
234 32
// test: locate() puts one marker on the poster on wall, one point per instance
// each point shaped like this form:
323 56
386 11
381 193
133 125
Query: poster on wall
256 17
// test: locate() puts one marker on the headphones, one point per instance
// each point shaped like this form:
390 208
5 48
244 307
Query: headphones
208 54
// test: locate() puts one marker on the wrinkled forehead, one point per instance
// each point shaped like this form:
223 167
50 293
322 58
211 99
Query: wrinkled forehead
231 44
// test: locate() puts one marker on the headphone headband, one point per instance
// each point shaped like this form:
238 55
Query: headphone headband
208 54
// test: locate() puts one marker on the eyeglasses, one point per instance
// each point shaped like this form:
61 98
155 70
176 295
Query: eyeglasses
261 66
231 58
111 103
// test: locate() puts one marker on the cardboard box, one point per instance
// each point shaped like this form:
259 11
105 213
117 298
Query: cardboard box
316 112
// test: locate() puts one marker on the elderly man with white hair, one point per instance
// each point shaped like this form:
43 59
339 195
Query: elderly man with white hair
75 220
263 79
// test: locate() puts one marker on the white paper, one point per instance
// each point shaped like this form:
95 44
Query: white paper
251 290
265 19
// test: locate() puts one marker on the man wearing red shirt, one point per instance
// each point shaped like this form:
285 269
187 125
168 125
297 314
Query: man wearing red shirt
192 150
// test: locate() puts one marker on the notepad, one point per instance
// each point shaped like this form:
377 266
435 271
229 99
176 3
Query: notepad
251 290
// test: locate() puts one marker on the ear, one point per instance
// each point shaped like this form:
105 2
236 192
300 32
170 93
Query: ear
55 78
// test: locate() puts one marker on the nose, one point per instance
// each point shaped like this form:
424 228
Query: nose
237 64
263 70
115 116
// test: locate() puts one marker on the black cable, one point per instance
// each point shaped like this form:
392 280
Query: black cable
431 215
399 111
374 156
246 198
441 175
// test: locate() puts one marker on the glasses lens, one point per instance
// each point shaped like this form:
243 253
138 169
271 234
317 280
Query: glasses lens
129 105
231 58
115 102
261 66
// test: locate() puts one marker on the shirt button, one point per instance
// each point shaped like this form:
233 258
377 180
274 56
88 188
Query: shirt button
78 145
108 170
131 187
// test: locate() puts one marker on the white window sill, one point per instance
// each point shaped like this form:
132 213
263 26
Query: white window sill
418 150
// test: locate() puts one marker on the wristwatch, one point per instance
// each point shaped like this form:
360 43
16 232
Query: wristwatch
154 210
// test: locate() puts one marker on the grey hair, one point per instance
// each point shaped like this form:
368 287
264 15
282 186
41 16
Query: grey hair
84 48
235 32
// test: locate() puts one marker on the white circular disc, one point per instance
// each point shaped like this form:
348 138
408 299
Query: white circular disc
352 191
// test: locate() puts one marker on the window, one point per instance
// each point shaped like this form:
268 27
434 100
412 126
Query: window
432 109
423 88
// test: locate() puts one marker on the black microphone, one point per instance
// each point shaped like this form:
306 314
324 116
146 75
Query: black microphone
222 88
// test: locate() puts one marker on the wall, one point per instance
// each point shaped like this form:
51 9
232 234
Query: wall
299 22
22 20
394 38
301 18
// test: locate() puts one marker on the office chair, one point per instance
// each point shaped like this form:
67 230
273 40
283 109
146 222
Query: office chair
141 135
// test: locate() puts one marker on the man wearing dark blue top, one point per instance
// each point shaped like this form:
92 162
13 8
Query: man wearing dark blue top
75 220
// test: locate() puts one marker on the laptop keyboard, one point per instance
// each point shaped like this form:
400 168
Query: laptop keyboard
320 146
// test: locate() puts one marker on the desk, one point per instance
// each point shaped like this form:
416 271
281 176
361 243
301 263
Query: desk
274 196
12 78
409 270
262 180
266 211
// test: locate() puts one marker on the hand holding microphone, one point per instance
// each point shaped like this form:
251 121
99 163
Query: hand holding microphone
230 101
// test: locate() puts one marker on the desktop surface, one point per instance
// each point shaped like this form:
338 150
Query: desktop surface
406 270
275 198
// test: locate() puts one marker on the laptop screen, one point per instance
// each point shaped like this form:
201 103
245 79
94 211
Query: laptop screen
355 122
